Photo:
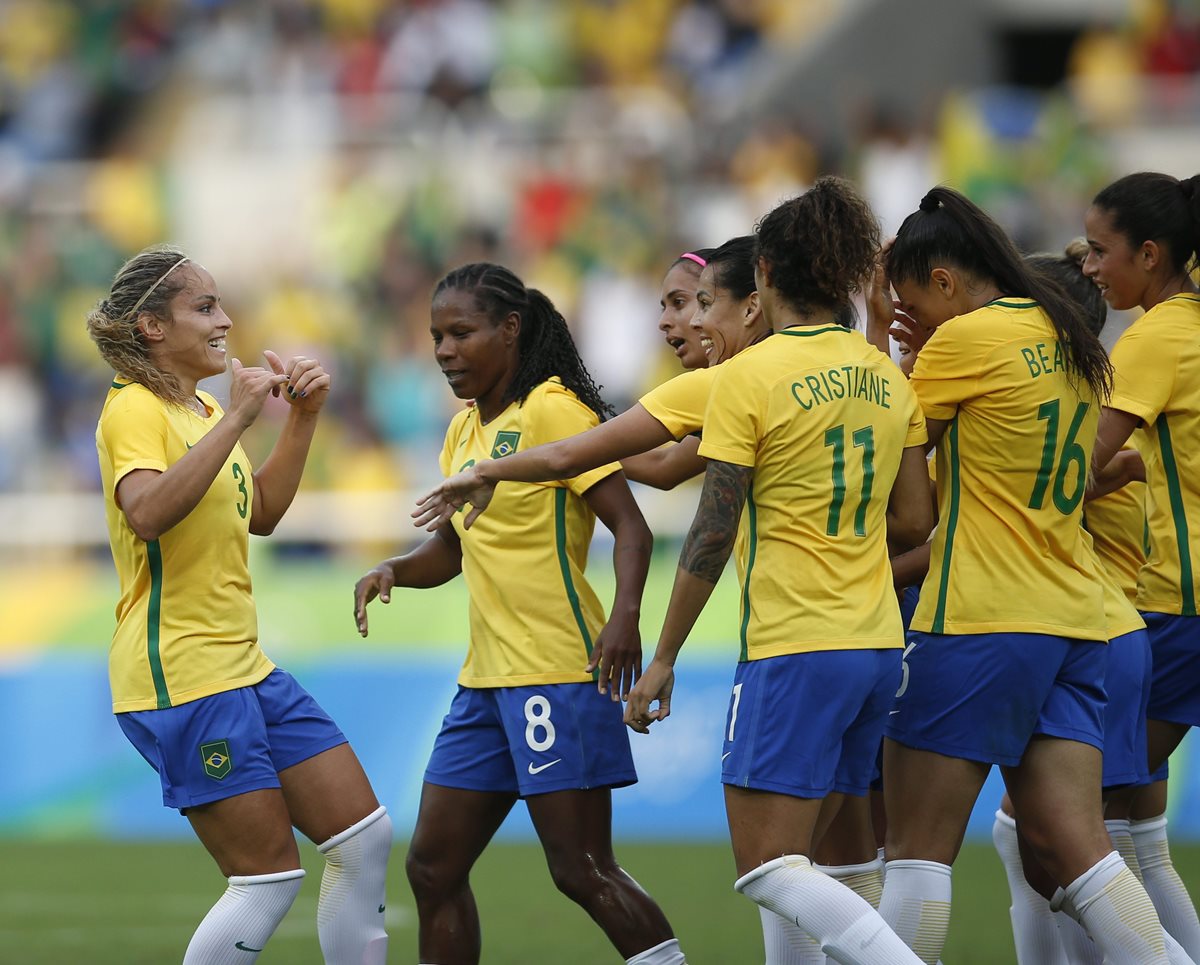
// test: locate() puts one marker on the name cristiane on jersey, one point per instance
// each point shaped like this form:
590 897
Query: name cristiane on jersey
844 382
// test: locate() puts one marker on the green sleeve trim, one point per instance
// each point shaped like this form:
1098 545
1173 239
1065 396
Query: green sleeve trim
153 621
752 523
1187 588
564 565
939 614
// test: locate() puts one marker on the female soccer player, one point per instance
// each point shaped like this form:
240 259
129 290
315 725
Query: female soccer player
527 720
1143 234
1115 522
1006 658
821 634
678 301
241 749
727 320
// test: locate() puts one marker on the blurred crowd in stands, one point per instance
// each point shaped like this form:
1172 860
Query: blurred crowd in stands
328 160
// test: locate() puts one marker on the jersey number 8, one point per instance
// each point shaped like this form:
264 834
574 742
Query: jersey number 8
537 717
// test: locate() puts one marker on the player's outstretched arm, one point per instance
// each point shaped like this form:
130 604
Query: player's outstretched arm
617 652
436 561
705 552
633 431
667 466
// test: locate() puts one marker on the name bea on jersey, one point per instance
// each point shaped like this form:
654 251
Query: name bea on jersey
844 382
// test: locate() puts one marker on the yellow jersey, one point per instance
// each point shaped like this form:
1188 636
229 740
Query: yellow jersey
1157 362
186 623
1010 553
1120 534
679 403
817 571
533 615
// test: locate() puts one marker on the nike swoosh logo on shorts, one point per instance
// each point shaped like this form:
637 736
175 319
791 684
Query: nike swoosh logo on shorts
726 754
892 713
542 767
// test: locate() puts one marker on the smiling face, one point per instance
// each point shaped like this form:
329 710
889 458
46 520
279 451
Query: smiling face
477 356
1112 263
726 324
678 301
191 345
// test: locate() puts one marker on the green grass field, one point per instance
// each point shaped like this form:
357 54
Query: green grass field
105 903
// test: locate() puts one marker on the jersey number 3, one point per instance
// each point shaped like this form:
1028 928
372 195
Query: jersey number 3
244 503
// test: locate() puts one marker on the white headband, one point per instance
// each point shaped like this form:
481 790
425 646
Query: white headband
150 290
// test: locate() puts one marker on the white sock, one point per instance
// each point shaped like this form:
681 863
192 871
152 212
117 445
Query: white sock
916 903
1163 884
350 909
850 931
1122 839
1116 911
243 918
1035 932
786 943
1078 946
865 880
664 953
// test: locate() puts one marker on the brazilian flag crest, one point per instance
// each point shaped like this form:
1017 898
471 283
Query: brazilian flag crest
217 762
506 444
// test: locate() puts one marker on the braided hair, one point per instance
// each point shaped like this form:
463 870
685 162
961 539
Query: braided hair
948 229
544 347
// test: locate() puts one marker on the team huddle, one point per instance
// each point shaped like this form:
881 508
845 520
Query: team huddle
1048 626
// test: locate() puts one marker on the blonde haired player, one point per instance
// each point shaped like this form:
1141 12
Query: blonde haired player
241 749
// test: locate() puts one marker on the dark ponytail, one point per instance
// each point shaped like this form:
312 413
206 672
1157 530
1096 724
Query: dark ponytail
545 347
819 247
1157 207
1067 270
948 229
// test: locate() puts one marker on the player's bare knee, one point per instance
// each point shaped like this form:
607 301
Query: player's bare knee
581 878
431 880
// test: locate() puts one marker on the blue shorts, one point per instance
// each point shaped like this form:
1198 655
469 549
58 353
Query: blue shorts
532 740
1175 687
1127 682
232 742
806 724
910 596
982 696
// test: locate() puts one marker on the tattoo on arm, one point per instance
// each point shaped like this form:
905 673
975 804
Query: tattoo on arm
710 540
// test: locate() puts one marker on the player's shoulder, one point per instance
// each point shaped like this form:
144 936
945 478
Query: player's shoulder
130 398
552 397
1179 314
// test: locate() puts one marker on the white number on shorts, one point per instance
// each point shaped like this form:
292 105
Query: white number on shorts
537 714
737 699
904 670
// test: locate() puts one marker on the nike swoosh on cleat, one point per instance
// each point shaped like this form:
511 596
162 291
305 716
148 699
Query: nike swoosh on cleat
542 767
246 948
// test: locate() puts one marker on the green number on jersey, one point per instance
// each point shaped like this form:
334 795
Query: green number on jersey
863 439
1072 455
240 476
